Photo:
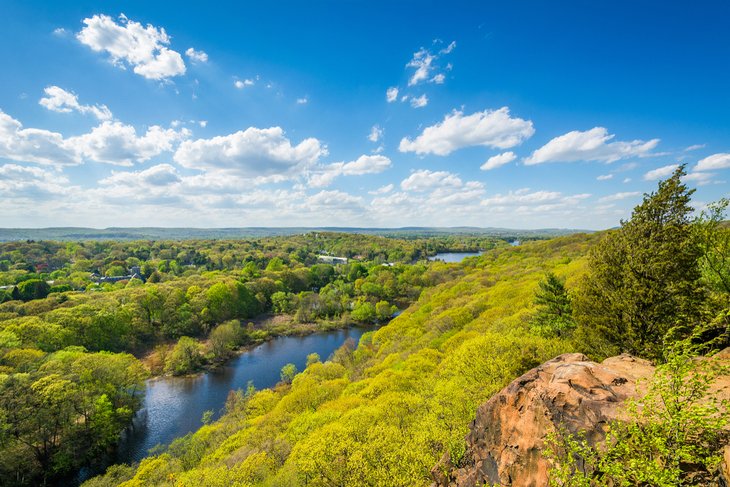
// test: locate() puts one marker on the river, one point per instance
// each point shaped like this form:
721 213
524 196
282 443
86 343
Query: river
174 406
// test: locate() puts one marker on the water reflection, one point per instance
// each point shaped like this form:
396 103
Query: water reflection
174 406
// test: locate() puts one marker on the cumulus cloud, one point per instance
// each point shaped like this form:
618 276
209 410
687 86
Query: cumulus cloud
423 180
33 183
391 94
419 102
604 177
159 175
302 101
198 56
334 200
373 164
591 145
499 160
34 145
382 190
241 84
117 143
252 152
714 162
429 198
526 202
490 128
660 172
619 196
62 101
129 43
376 133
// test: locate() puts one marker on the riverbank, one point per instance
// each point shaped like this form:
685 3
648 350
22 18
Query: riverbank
262 329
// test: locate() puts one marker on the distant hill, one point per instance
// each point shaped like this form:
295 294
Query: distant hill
159 233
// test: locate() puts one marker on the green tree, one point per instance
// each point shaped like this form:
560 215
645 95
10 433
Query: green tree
643 285
224 338
554 314
185 357
288 372
364 312
383 311
33 289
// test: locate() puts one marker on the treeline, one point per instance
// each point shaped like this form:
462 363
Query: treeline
70 265
385 412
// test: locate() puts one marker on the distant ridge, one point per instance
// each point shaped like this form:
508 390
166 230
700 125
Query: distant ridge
161 233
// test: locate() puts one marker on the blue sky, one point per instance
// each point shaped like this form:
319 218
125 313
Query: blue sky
513 114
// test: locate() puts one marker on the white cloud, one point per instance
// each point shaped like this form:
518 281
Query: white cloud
372 164
619 196
376 133
419 102
33 145
421 61
199 56
302 101
498 160
423 180
591 145
660 172
129 42
700 178
62 101
32 183
203 123
604 177
695 147
60 32
391 94
241 84
491 128
159 175
714 162
117 143
334 200
382 190
449 48
424 63
249 153
626 180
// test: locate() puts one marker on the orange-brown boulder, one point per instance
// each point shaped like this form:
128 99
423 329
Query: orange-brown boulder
505 442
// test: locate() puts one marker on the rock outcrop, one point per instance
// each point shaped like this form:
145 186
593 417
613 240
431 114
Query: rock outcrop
505 442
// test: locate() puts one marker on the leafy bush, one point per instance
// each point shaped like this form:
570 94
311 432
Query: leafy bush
674 435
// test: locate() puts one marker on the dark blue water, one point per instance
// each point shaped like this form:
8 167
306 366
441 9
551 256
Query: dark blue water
454 256
174 406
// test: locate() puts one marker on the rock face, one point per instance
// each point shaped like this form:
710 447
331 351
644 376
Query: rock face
504 445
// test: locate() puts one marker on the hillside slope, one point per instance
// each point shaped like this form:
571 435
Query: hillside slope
384 413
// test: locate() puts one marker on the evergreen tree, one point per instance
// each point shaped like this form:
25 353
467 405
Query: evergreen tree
554 309
643 285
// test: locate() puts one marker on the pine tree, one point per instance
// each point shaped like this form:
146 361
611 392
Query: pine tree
643 285
554 309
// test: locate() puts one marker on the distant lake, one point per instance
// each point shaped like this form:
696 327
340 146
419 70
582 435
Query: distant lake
454 256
